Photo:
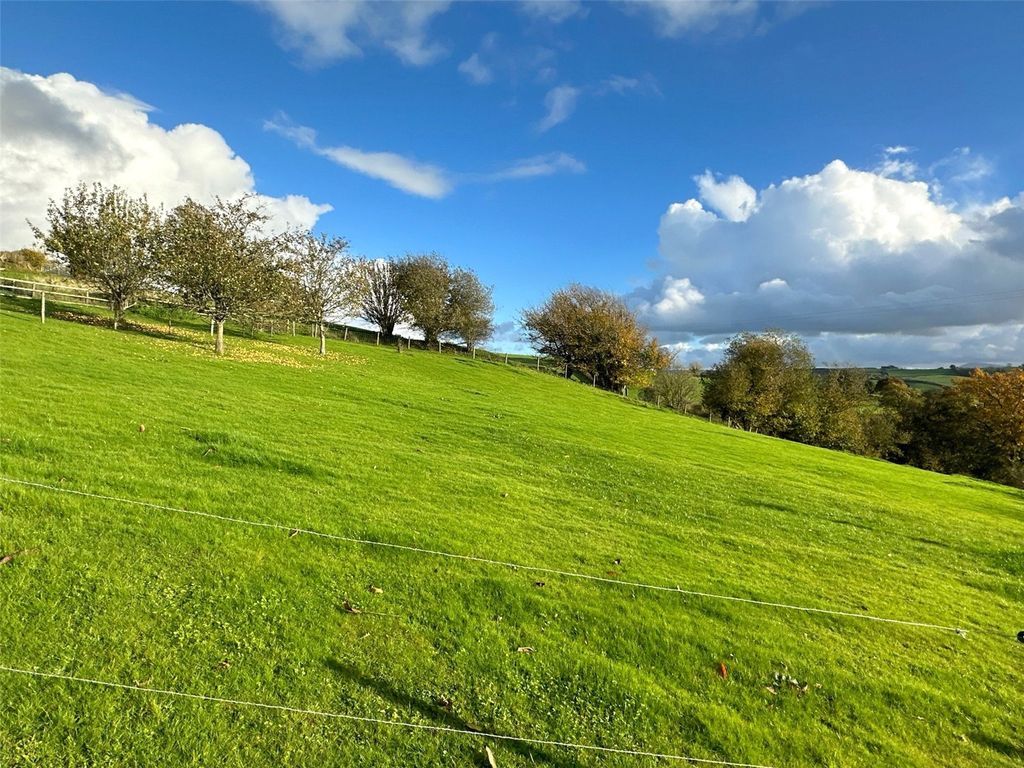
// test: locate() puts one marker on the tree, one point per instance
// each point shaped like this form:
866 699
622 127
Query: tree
219 259
843 401
325 279
380 301
597 336
470 308
677 388
975 427
765 382
24 258
106 237
424 283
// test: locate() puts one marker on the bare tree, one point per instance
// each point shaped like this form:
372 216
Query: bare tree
219 259
381 301
326 279
106 237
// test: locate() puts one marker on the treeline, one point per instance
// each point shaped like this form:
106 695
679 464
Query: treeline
767 383
223 261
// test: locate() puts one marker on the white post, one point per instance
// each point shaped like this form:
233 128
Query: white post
346 333
538 362
378 338
439 346
42 308
506 358
211 326
474 353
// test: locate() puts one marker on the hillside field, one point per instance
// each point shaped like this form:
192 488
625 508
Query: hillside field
475 458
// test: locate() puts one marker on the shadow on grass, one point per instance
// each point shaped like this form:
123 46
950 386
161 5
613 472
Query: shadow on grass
441 716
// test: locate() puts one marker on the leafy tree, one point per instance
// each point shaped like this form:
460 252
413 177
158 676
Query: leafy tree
843 401
380 301
597 336
106 237
220 260
765 382
325 280
677 388
470 308
425 282
24 258
975 427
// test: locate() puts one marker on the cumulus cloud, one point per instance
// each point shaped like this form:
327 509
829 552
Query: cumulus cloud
323 32
415 177
733 198
560 103
57 131
855 259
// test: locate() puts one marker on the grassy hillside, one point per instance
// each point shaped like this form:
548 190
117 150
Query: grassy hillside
475 458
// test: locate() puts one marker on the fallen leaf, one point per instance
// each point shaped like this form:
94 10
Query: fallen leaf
525 649
6 559
722 671
375 590
293 533
142 427
491 762
443 702
349 608
538 583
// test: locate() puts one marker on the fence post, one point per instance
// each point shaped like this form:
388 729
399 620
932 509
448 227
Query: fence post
474 353
346 333
211 325
595 379
506 358
567 370
538 362
42 308
378 338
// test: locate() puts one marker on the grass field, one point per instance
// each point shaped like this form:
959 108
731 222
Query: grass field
470 457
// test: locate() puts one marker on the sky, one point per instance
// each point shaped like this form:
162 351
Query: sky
853 172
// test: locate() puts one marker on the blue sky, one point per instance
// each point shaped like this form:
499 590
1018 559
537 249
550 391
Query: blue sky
652 96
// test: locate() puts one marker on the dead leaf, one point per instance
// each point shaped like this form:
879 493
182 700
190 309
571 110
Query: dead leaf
142 427
293 533
613 573
491 762
223 664
376 590
538 583
525 649
349 608
722 671
6 559
443 702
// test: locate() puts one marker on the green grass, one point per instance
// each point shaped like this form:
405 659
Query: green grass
478 458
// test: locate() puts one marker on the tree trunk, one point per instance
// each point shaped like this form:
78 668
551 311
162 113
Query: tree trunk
219 344
323 340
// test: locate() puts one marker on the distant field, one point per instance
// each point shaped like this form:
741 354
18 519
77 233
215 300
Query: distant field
473 457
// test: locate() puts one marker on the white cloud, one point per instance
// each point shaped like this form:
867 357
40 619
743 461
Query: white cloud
400 172
731 197
414 177
552 11
852 258
476 71
327 31
57 131
673 18
540 165
560 103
